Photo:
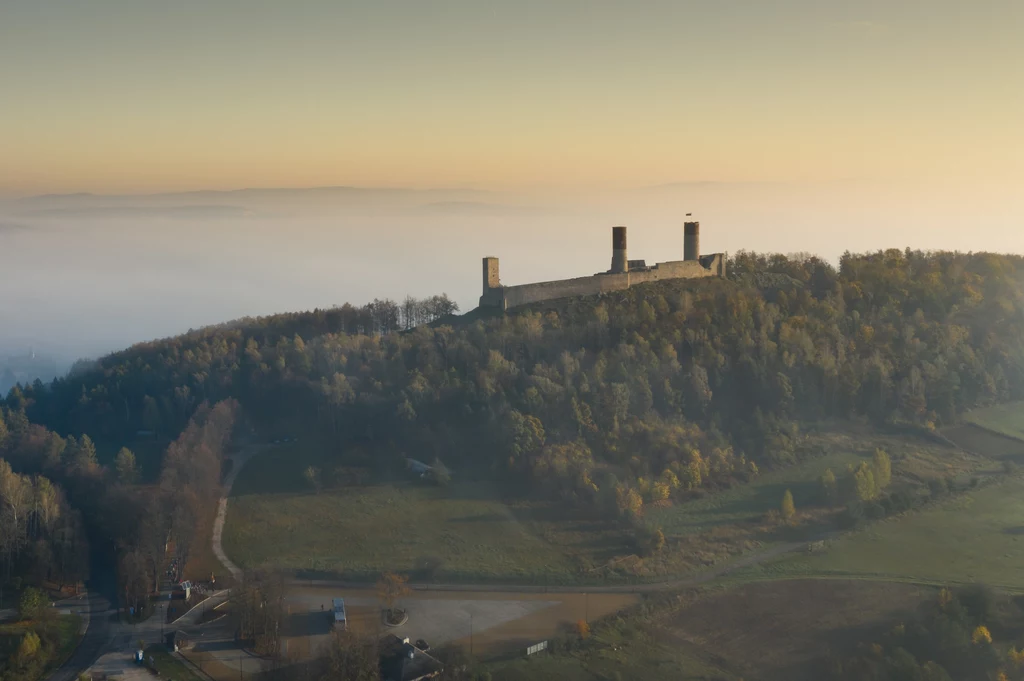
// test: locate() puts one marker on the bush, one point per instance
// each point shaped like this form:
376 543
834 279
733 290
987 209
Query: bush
874 511
851 517
978 600
901 501
32 604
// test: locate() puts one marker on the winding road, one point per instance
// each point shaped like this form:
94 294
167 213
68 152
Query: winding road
95 610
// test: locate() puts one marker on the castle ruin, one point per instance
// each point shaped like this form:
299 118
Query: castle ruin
623 274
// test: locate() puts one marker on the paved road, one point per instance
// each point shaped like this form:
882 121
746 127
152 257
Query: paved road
96 612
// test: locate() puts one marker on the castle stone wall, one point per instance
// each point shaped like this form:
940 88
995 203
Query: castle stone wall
508 297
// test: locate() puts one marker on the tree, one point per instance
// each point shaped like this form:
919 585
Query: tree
151 418
788 509
27 649
391 587
124 462
981 635
658 541
583 629
134 580
350 658
882 469
829 487
312 476
85 455
628 501
864 485
32 604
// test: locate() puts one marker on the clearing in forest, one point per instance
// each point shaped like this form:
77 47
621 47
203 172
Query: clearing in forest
464 532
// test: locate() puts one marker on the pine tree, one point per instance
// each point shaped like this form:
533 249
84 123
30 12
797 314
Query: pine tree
125 464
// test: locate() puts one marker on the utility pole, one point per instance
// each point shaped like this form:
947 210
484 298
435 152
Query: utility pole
471 634
586 607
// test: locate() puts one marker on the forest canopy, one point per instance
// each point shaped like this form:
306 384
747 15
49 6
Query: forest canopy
661 387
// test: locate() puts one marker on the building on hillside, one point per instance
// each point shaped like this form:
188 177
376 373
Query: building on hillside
402 661
622 274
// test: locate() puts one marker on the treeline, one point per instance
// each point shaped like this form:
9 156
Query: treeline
955 639
42 537
168 518
620 400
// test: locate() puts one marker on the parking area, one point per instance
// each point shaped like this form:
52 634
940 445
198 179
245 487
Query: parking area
487 622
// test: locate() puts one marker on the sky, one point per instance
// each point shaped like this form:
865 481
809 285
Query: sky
138 95
786 125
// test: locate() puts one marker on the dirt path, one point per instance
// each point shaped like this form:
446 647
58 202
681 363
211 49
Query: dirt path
668 585
238 462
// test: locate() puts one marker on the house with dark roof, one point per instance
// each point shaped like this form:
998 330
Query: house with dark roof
403 661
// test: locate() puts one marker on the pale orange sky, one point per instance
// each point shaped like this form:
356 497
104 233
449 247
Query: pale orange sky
119 96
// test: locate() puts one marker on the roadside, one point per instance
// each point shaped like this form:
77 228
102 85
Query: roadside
95 611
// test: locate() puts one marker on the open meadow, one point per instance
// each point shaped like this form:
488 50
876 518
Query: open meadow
975 536
1005 419
468 532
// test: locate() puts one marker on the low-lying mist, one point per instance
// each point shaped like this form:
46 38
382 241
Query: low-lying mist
83 275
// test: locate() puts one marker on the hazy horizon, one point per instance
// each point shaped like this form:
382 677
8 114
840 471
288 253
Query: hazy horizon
793 125
95 274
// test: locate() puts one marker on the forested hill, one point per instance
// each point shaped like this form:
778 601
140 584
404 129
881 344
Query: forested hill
636 381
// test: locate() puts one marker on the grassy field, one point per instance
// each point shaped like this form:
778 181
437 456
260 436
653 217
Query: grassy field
363 531
779 631
631 653
774 631
723 525
69 634
1005 419
167 666
976 536
467 533
914 462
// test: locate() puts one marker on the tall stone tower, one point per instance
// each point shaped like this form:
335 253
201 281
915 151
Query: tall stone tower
620 260
691 241
491 278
